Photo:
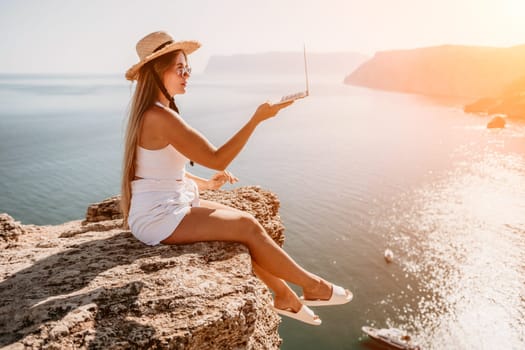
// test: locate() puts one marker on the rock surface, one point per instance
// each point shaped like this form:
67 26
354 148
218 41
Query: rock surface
90 284
10 229
108 209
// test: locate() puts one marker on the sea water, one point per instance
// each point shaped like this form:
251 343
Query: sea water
357 171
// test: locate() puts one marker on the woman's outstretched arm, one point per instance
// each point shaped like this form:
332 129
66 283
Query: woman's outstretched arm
195 146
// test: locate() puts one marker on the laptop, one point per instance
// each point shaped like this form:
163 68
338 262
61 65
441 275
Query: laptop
298 95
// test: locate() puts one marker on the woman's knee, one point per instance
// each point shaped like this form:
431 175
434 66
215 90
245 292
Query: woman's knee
251 228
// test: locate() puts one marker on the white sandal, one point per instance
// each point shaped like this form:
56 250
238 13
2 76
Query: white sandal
339 297
305 314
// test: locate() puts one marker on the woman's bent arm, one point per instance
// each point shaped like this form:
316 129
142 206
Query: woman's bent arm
215 182
202 183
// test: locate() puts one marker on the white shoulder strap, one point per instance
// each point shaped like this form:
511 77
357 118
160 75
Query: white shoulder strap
160 104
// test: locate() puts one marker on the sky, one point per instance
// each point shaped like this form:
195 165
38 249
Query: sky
99 36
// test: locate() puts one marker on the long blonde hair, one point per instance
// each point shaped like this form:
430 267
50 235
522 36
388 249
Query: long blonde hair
146 93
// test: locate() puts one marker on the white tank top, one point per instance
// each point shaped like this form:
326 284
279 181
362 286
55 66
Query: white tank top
161 164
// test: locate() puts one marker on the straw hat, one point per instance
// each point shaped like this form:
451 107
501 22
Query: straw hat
155 45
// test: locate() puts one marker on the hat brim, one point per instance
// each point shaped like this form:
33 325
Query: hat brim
187 46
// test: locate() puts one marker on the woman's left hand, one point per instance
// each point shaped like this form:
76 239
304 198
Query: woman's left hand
220 178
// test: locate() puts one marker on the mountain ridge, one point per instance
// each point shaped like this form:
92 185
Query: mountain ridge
267 63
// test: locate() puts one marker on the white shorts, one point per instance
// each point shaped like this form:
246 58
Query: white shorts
158 207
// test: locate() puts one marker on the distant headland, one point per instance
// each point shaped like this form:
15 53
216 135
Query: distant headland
449 70
496 75
285 63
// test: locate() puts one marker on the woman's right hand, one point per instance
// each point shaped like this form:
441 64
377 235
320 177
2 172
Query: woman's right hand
267 110
220 178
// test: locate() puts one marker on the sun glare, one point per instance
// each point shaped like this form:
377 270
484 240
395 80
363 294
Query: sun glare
513 9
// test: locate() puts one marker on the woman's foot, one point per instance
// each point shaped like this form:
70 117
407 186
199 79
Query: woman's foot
288 304
323 293
321 290
287 301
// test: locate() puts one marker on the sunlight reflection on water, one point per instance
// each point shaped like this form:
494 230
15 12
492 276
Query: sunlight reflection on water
462 242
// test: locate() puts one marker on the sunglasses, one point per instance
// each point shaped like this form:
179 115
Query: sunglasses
183 71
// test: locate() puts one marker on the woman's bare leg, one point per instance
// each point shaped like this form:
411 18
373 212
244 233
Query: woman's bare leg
207 224
277 285
284 297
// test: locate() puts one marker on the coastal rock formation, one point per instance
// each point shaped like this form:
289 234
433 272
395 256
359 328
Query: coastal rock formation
448 70
10 229
482 105
90 284
510 103
497 122
513 107
108 209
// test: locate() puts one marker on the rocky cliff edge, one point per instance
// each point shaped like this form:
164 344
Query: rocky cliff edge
90 284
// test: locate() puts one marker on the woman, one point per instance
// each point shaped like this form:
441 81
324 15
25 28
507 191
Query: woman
160 200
